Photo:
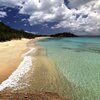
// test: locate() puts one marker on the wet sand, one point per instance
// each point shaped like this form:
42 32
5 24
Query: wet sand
28 96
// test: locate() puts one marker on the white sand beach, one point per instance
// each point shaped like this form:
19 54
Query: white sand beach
11 56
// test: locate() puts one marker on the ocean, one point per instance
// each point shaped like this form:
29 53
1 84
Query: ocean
78 62
69 67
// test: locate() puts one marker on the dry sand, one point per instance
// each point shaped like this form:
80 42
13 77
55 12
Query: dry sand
11 56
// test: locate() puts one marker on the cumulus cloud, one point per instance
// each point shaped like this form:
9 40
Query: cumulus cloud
78 3
83 15
11 3
88 17
43 11
3 14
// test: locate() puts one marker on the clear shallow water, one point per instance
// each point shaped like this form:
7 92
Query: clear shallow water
78 62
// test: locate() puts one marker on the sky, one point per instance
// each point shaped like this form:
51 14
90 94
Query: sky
81 17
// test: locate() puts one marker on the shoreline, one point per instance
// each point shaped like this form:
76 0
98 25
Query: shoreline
46 68
11 55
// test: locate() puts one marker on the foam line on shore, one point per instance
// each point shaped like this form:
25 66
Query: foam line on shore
33 50
22 69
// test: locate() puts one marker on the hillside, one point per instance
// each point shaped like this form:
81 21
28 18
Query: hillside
65 34
7 33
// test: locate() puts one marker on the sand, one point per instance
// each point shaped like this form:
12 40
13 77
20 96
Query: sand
11 56
11 53
28 96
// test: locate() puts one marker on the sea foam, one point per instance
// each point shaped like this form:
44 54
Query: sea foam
22 69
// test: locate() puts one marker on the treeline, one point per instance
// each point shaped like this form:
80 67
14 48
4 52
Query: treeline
64 34
7 33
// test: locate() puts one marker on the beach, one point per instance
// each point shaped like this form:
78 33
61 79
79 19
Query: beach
11 56
47 69
25 72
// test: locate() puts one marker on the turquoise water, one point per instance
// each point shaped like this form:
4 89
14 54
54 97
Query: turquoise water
78 61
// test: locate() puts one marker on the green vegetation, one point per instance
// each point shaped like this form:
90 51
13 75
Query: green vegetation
7 33
64 34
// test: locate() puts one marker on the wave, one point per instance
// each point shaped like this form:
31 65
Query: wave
22 69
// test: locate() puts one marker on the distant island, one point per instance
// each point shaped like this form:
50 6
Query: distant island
64 34
7 33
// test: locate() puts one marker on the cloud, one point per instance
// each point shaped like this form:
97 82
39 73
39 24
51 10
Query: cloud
11 3
78 3
43 11
3 14
24 19
87 20
83 15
